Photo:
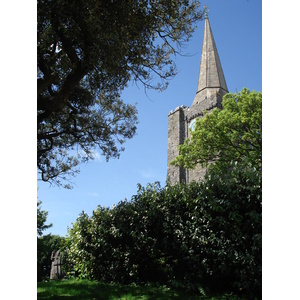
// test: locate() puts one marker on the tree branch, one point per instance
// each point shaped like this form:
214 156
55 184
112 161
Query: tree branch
59 100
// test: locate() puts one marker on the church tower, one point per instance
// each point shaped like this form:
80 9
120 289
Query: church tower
210 90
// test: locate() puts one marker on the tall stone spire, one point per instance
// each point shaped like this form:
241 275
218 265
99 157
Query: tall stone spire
210 91
211 77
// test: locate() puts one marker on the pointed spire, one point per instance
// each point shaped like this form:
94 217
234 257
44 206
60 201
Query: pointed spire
211 76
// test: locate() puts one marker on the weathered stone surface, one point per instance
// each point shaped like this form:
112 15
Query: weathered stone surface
56 271
210 91
211 76
176 135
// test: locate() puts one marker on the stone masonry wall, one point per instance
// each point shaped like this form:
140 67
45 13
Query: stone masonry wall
178 130
176 135
196 112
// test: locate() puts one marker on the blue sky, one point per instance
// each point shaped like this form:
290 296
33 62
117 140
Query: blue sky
237 30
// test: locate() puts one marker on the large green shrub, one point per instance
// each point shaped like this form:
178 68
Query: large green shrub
201 237
77 256
231 210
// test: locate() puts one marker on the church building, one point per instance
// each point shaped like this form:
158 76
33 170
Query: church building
210 91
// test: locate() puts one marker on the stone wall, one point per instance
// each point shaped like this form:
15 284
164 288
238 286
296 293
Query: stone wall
176 135
204 102
178 130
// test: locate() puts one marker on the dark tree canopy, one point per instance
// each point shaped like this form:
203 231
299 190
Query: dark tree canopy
87 52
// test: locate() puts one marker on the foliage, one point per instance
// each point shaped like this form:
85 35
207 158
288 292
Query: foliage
45 244
76 258
233 134
232 208
41 219
203 237
87 52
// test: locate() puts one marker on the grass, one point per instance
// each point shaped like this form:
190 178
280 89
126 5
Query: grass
93 290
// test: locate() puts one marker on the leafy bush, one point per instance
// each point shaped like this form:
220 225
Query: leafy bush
202 237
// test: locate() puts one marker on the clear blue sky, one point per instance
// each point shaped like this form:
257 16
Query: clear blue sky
237 30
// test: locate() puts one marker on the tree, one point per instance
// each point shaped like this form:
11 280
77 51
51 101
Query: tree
227 136
41 219
45 244
87 52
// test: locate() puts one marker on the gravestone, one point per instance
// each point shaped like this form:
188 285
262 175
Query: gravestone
55 272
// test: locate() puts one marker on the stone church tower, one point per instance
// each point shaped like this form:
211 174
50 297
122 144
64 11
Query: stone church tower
210 91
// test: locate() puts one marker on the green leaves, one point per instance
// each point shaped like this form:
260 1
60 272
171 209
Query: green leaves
41 219
203 235
45 244
233 134
87 53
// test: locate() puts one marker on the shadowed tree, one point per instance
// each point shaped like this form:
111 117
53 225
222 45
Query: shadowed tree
87 52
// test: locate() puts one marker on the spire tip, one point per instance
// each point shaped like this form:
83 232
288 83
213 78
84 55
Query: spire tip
206 10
